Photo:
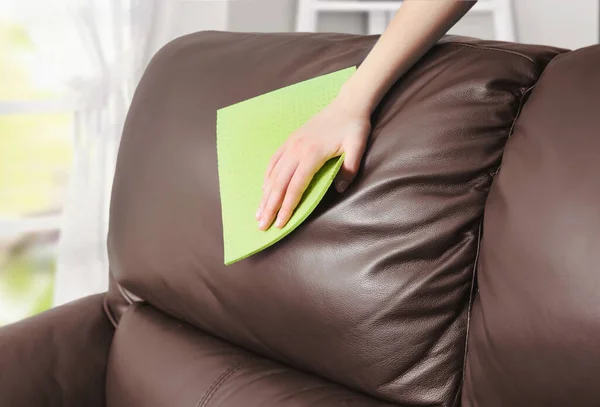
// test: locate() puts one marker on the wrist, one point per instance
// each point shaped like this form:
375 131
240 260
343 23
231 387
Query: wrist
355 100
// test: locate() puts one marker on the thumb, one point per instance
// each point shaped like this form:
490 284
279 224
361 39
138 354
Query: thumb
353 156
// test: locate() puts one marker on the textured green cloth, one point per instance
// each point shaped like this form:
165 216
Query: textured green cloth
248 134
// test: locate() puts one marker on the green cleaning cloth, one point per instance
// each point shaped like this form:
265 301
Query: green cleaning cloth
248 134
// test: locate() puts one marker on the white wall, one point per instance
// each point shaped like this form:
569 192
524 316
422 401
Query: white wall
179 17
564 23
279 15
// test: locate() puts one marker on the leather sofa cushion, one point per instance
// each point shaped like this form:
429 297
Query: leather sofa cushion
372 291
534 338
57 358
158 361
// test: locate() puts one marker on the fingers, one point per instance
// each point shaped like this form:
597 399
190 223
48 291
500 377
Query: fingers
273 162
275 191
270 183
293 166
265 187
287 182
354 150
298 184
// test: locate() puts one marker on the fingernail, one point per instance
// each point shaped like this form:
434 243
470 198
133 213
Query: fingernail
261 224
341 186
279 223
258 213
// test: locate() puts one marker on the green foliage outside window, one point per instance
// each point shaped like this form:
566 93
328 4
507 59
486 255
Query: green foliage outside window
35 157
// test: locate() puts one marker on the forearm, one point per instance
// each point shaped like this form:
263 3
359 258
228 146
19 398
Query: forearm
415 28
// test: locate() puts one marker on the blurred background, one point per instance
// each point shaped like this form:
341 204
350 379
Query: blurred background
68 69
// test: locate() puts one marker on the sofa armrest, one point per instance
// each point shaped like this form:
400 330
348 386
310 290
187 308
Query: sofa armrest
57 358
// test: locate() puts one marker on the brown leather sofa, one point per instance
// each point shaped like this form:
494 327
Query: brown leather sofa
462 267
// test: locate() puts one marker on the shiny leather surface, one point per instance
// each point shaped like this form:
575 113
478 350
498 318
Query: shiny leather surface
117 300
535 329
158 361
57 358
372 291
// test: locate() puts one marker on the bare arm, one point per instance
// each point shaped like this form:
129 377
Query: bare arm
416 27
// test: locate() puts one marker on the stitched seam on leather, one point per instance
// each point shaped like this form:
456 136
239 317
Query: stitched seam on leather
483 47
514 122
212 390
521 104
125 294
108 311
216 384
469 307
480 47
472 293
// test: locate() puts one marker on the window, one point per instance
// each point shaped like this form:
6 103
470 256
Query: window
67 84
35 159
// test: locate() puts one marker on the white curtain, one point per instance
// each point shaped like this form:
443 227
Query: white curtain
115 36
97 49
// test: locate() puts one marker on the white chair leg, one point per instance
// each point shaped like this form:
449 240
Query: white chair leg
378 21
504 24
306 20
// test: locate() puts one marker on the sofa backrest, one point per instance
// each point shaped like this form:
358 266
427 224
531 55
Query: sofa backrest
373 291
535 329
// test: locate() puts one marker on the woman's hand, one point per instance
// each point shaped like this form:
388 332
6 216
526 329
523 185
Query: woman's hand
344 125
339 128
